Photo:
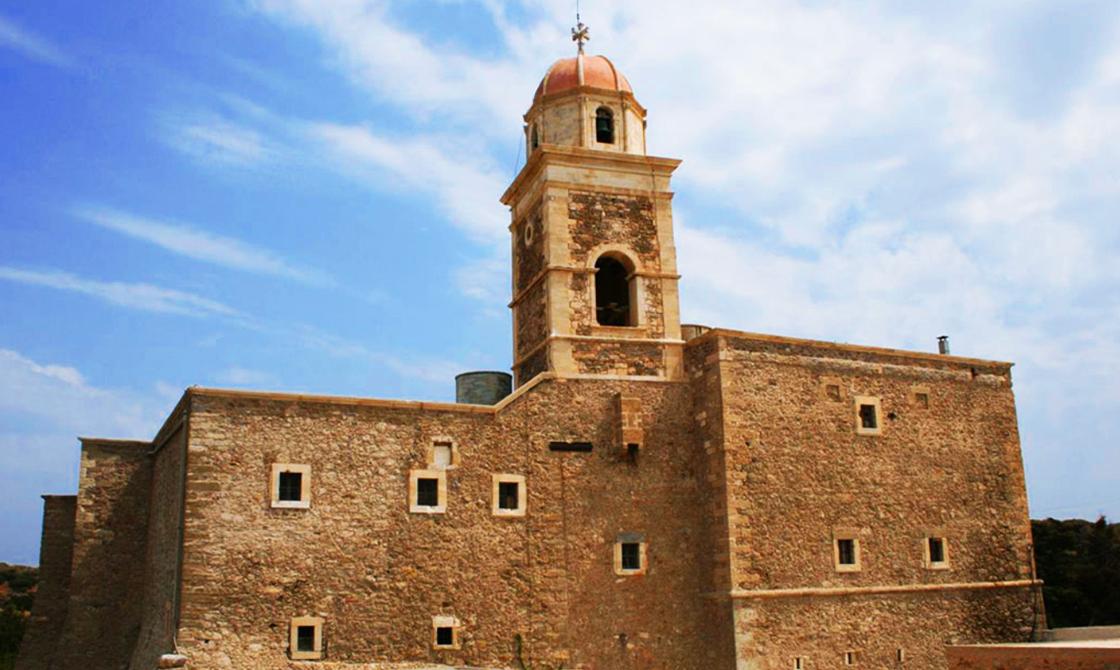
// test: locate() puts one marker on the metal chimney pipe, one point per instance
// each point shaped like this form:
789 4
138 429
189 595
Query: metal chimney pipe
943 345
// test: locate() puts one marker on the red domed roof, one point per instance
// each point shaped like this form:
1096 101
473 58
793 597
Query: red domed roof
569 73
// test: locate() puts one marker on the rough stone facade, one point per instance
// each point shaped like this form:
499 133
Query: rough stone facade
678 504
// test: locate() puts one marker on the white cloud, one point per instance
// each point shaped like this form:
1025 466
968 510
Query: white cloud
200 245
146 297
30 45
217 140
466 190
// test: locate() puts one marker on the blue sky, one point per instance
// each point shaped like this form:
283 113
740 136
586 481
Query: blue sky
302 195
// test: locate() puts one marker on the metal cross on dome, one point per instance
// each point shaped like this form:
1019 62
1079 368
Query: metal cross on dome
580 34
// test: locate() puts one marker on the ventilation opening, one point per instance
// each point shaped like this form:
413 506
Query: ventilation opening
291 487
604 126
612 293
535 141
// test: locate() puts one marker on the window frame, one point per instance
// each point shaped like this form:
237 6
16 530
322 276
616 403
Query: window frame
443 621
522 495
317 653
860 402
443 441
643 555
414 477
852 535
304 471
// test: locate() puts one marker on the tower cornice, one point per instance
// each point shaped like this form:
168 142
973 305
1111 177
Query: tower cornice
549 154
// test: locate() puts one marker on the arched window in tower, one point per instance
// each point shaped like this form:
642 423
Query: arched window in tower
535 141
613 295
604 125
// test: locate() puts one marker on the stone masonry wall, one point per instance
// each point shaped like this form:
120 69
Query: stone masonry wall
602 218
797 472
378 573
618 358
111 518
53 594
532 322
161 567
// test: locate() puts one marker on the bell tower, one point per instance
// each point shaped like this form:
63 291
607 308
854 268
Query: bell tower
594 262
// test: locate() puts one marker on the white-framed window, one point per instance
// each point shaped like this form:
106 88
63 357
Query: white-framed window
427 491
291 486
869 420
306 639
630 556
509 495
445 632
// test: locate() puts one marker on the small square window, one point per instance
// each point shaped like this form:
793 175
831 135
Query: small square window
306 639
630 555
868 421
445 636
936 553
427 491
291 486
921 400
443 454
833 391
508 495
445 632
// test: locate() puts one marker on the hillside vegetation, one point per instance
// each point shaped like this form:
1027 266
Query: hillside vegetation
17 590
1080 563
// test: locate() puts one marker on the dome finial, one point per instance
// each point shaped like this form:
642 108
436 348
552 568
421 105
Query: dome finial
580 33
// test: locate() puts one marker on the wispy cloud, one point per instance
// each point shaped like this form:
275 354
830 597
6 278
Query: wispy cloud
31 45
145 297
218 141
245 377
200 245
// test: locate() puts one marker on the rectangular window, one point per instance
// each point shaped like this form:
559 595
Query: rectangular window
846 550
445 632
427 492
508 497
291 486
798 663
631 556
901 656
868 416
849 658
306 639
445 636
936 551
922 400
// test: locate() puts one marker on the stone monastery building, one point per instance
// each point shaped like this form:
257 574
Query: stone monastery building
651 496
